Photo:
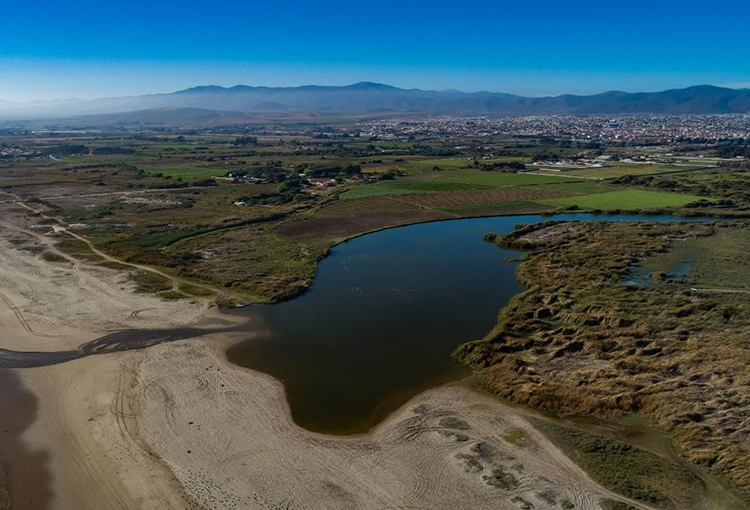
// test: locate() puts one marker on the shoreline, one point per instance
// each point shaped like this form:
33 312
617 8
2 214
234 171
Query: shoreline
123 430
101 440
258 426
64 445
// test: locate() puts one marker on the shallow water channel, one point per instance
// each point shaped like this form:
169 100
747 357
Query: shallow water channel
383 315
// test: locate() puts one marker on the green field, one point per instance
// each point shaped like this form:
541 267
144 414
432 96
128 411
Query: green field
403 187
626 199
427 165
481 179
615 170
451 180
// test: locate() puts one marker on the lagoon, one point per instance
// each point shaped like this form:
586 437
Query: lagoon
383 314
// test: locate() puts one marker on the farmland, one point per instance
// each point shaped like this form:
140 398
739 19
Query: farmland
626 200
169 200
245 215
618 169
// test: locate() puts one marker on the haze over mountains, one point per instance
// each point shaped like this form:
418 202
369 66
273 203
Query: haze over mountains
368 98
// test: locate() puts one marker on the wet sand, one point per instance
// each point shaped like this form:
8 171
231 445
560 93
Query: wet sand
24 471
114 342
66 441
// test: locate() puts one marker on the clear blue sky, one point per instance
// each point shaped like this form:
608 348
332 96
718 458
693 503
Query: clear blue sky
81 48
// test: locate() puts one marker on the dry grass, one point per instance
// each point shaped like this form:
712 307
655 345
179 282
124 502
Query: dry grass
579 341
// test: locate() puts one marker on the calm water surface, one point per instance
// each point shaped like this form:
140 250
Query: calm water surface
382 317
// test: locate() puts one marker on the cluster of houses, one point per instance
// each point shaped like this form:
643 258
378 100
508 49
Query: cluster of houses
320 182
572 163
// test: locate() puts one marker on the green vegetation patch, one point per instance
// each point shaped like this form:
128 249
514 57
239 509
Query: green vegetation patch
501 479
626 469
516 436
252 260
451 422
154 239
172 295
75 248
615 170
426 165
404 187
479 178
451 180
114 265
718 261
581 186
184 172
147 281
195 290
50 256
627 200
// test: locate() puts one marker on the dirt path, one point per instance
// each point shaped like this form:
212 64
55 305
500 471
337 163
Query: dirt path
175 280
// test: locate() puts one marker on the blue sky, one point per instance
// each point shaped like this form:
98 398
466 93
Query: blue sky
59 49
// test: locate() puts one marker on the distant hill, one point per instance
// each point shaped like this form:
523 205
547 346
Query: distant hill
375 98
185 117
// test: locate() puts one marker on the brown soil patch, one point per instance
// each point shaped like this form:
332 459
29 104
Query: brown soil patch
475 197
351 217
346 218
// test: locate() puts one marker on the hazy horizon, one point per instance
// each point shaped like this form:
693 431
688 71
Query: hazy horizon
94 49
260 85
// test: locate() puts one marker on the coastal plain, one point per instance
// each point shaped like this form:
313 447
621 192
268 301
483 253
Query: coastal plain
125 254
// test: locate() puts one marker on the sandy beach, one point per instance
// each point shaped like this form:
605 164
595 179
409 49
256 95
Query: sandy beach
176 426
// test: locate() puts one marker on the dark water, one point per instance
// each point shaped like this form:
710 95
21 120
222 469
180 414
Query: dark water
113 342
382 317
640 275
683 270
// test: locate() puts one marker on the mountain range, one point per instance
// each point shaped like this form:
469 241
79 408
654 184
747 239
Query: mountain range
368 98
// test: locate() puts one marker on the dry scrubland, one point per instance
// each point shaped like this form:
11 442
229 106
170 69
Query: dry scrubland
674 350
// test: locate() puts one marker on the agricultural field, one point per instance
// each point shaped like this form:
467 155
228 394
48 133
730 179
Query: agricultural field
617 169
626 200
491 179
451 180
169 200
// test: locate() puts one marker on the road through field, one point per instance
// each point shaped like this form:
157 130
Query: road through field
175 280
